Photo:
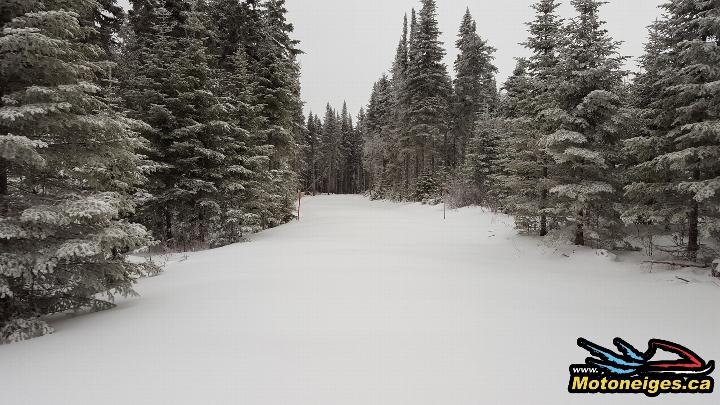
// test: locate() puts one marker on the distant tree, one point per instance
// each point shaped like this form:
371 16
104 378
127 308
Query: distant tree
376 154
312 151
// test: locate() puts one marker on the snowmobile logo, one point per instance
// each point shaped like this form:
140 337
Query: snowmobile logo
634 372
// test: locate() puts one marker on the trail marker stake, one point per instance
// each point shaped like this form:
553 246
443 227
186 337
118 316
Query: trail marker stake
299 200
444 194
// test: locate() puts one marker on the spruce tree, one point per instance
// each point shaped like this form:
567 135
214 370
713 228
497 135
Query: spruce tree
347 152
585 147
474 86
277 74
331 153
399 146
531 104
429 91
520 181
312 152
482 165
243 171
169 87
378 120
677 177
68 164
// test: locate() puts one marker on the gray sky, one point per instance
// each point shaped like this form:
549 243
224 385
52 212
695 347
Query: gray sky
348 44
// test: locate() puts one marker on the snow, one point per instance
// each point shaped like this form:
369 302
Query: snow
366 303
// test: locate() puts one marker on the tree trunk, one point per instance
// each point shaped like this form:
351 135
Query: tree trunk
417 165
4 203
693 220
543 201
168 226
407 172
693 234
580 230
313 174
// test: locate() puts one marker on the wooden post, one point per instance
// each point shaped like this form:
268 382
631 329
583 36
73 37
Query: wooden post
299 195
444 195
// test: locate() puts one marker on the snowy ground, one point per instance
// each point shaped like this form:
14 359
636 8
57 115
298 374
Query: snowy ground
365 303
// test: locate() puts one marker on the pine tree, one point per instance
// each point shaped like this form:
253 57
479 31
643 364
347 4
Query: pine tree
277 74
520 181
546 39
312 152
376 153
331 154
678 174
193 143
482 164
429 91
585 147
347 151
531 104
399 145
67 166
474 86
243 171
236 34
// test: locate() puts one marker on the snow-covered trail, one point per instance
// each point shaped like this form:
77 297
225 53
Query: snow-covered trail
364 303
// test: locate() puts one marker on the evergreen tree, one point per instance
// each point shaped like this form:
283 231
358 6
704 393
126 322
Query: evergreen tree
67 166
429 91
170 90
277 74
361 129
347 152
546 39
243 172
482 164
312 152
331 153
585 147
237 32
520 182
531 104
400 145
676 179
474 86
376 153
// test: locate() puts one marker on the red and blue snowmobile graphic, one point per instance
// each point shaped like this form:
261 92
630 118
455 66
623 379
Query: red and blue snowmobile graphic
631 362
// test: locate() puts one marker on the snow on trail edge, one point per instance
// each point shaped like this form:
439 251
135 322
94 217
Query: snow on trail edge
366 303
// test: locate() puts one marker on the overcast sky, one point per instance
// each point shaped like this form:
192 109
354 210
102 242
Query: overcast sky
348 44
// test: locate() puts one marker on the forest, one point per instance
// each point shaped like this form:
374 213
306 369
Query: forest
179 126
573 145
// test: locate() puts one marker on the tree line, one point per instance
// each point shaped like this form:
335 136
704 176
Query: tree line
575 147
178 124
181 124
332 151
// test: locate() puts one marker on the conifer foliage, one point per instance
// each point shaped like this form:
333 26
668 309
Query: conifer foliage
221 99
569 147
333 154
182 125
474 86
196 133
68 167
584 149
675 183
